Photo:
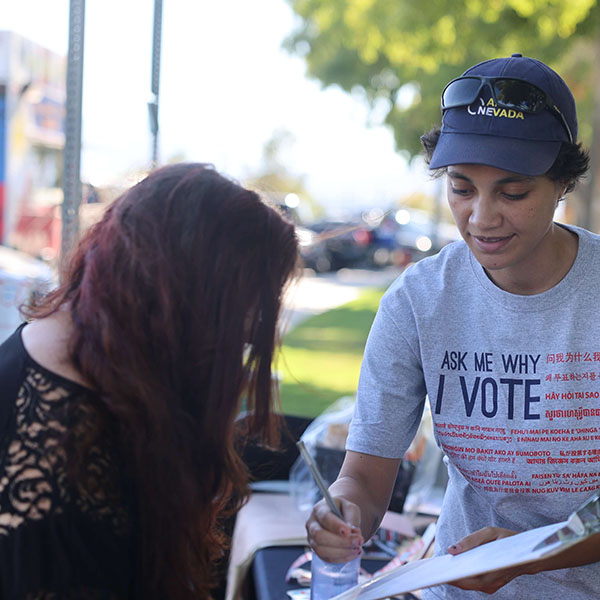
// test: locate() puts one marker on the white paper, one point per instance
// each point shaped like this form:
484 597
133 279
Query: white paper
505 552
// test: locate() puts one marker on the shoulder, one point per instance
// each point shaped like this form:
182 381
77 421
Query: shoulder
584 235
47 341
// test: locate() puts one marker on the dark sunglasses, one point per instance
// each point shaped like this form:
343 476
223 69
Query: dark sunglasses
507 92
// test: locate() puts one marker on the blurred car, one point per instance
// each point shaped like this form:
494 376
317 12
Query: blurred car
333 245
406 236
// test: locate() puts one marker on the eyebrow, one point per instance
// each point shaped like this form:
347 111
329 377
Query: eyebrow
510 179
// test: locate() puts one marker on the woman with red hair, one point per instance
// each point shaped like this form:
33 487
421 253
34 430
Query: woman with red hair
118 398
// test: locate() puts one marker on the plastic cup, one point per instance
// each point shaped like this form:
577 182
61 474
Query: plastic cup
330 579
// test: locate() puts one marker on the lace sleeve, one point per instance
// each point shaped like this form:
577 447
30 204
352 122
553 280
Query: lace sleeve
69 540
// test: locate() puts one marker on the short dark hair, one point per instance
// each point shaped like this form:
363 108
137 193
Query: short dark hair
570 165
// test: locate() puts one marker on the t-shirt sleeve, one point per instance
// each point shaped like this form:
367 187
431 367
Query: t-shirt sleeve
391 389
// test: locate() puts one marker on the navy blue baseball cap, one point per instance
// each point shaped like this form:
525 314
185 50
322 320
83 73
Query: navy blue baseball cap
518 141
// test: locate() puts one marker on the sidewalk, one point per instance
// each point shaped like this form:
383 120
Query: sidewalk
315 294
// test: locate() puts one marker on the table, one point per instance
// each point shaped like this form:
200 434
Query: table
270 565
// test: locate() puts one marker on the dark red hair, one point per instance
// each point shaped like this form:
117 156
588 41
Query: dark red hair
165 292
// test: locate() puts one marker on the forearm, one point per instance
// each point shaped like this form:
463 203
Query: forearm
582 553
368 482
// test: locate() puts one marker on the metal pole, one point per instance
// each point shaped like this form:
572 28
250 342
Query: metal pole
155 84
72 151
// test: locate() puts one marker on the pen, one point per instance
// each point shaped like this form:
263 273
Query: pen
312 465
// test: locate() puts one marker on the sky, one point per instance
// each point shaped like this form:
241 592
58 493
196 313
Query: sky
226 87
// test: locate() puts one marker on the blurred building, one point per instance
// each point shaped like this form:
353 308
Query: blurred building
32 136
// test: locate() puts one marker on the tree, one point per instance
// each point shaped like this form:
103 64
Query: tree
399 54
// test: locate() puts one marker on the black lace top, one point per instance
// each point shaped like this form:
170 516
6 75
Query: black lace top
58 539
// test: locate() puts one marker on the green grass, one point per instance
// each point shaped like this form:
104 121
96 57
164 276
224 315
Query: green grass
320 359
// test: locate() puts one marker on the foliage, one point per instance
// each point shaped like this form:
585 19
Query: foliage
320 359
401 53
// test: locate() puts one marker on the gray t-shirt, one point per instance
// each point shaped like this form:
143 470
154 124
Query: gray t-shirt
514 388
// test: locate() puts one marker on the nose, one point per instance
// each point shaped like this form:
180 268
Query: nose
484 213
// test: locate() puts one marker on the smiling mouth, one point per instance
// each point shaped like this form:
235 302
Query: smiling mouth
492 244
491 240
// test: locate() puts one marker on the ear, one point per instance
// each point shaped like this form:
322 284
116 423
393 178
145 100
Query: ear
562 187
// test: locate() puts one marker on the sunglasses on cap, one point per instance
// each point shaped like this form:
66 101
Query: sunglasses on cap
507 92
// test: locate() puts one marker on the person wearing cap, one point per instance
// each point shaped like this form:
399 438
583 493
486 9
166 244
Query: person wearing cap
499 333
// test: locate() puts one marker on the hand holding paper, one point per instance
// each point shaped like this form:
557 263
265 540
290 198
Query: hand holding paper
490 582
